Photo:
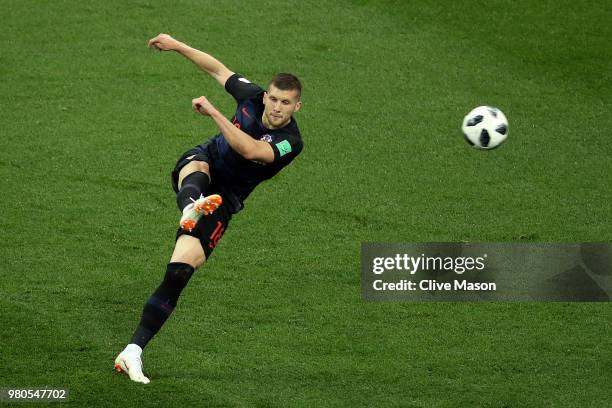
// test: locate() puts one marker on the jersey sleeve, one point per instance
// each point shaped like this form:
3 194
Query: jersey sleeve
241 88
286 148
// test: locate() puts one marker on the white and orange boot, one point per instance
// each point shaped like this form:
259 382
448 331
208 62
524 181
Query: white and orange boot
194 211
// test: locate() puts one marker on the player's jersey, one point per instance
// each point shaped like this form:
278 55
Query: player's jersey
232 173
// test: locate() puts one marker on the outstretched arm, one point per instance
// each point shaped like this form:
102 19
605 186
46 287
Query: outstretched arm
204 61
241 142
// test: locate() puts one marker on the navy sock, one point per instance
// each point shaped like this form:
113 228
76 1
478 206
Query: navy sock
194 185
162 302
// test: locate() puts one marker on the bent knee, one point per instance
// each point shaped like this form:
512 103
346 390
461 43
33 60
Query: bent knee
196 165
188 250
192 167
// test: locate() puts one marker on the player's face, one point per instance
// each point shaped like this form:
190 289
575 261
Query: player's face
279 106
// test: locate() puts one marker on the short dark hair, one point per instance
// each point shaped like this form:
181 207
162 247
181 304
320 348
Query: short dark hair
286 82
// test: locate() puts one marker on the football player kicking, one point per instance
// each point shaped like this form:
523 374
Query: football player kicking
213 179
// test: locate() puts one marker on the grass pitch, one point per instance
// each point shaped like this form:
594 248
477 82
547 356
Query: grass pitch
92 122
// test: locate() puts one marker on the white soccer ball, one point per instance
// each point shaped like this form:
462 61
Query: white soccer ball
485 127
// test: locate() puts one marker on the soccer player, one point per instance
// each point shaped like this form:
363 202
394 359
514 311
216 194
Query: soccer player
213 179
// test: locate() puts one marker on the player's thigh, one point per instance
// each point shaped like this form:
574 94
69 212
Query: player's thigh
203 238
188 250
191 167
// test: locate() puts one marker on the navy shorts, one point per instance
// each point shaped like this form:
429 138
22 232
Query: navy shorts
210 228
199 153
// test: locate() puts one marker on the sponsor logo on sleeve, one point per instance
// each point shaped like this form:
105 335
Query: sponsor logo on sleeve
283 147
246 81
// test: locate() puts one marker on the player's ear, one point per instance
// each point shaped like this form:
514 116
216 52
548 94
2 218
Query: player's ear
298 105
265 97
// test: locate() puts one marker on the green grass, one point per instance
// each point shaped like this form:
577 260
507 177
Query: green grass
92 123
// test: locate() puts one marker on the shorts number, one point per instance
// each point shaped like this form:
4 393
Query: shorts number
216 235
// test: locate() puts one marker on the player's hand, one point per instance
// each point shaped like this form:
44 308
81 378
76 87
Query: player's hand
164 42
201 105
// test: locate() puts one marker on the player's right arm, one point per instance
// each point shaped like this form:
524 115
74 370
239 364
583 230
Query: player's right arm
204 61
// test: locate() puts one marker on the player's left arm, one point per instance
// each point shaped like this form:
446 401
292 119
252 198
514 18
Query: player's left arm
241 142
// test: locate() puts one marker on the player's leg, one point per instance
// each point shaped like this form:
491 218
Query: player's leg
188 250
193 181
188 255
191 250
192 197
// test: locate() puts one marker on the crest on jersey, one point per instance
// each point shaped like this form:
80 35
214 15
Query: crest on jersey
266 138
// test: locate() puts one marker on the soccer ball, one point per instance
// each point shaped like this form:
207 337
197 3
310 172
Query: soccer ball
485 127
